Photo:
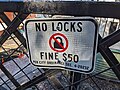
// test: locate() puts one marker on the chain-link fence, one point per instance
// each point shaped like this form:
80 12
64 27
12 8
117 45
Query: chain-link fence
17 73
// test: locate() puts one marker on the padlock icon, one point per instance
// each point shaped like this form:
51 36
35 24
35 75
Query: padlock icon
59 44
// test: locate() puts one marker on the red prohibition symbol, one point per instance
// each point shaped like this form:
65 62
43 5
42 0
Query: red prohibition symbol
58 46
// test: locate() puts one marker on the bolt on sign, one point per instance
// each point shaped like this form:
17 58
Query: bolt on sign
63 43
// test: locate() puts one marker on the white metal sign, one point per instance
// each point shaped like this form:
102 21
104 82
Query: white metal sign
66 43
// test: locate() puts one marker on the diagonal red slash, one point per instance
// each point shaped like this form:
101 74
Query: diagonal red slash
58 43
63 48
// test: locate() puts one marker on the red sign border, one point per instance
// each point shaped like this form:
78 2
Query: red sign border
63 37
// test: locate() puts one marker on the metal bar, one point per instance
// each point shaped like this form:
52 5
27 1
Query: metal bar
111 39
76 8
55 82
110 59
108 55
17 72
12 27
74 77
77 77
4 82
6 72
71 79
94 82
7 21
10 6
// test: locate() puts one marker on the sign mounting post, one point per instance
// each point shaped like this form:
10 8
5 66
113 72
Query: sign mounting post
63 43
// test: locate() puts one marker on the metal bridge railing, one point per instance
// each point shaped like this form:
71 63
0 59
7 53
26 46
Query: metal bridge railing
17 73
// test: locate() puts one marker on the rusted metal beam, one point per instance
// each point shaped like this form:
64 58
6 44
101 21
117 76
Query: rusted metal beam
76 8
